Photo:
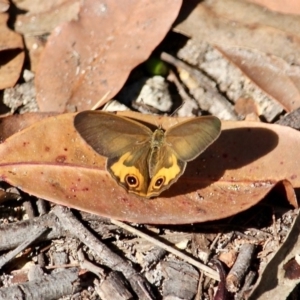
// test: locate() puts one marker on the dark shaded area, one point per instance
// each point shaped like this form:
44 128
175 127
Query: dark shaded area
8 55
186 9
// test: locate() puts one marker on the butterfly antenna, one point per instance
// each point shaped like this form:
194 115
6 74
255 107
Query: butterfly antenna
177 109
158 125
101 101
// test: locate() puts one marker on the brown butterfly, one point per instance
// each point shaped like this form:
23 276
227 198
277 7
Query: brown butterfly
140 160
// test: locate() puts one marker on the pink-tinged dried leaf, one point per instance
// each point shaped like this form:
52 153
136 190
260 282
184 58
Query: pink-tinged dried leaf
245 106
249 13
46 15
8 38
85 59
4 5
50 160
41 18
35 46
38 6
15 123
11 54
274 76
11 62
234 23
285 7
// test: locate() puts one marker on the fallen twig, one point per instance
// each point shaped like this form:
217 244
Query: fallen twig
207 270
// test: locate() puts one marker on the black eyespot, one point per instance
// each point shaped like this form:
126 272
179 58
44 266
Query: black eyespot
159 182
132 181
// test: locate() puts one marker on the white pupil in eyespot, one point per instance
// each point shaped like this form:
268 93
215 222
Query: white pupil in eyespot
159 182
131 180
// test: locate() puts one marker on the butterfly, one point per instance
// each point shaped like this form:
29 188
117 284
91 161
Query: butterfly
142 161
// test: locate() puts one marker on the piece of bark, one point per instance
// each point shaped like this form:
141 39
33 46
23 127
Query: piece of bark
41 259
242 294
48 287
42 206
189 105
152 257
59 258
12 235
29 209
200 246
86 264
210 100
181 280
239 269
114 286
34 235
35 273
291 120
139 284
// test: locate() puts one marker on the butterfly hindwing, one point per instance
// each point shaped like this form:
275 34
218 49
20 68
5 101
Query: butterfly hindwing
130 170
168 168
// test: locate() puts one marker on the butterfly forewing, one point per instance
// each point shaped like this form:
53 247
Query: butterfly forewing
189 139
108 134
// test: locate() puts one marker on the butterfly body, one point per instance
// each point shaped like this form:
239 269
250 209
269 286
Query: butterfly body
143 161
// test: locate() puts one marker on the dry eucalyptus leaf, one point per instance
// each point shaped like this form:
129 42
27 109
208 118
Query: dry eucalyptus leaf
40 19
235 173
35 46
87 58
286 7
11 54
43 16
234 23
38 6
249 13
15 123
272 74
8 38
4 5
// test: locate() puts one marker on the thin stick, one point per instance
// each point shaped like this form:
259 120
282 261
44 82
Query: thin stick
207 270
12 254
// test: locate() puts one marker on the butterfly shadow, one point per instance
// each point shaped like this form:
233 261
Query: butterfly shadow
235 150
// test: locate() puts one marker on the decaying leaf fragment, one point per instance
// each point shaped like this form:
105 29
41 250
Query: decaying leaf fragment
87 58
